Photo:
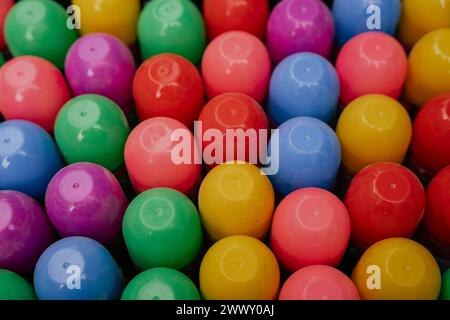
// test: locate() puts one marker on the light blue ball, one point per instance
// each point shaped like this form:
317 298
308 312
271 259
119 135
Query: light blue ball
303 85
77 268
351 17
309 155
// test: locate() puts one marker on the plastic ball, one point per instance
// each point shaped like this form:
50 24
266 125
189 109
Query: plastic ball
307 154
236 199
77 268
429 67
110 16
397 269
371 63
357 16
384 200
168 85
373 128
303 85
172 26
239 268
228 15
445 287
162 228
29 158
85 199
437 214
161 284
420 17
236 61
32 89
39 28
310 226
318 283
228 115
25 232
14 287
5 6
101 64
92 128
155 158
431 131
299 26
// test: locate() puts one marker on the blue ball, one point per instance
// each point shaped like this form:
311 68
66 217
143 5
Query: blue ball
309 155
29 158
77 268
352 17
303 85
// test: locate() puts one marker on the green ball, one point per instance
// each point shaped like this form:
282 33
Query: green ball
162 228
14 287
172 26
92 128
39 28
2 59
161 284
445 288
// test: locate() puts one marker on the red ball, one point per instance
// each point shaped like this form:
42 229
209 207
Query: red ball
231 111
384 200
236 61
243 15
32 89
318 283
437 214
168 85
371 63
431 133
154 156
311 226
5 6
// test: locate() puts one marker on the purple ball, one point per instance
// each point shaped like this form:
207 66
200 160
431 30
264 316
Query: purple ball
300 26
101 64
85 199
25 231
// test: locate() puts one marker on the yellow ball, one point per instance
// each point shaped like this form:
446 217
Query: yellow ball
239 268
397 269
420 17
373 128
429 67
116 17
235 198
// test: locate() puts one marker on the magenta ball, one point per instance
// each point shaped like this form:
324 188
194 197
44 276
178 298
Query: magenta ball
25 231
85 199
101 64
300 26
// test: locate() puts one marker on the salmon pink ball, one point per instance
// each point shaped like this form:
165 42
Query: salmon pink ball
162 152
310 226
371 63
32 89
318 283
236 61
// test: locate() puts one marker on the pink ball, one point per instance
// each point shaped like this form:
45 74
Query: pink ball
299 26
236 61
318 283
32 89
310 226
